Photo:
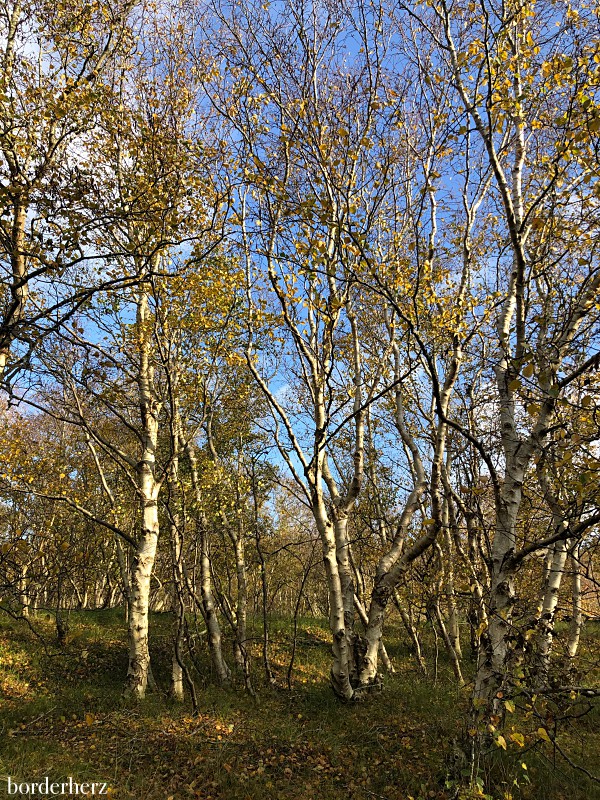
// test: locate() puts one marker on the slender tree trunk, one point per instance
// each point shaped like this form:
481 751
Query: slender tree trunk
545 572
242 654
577 615
24 591
176 689
209 610
148 488
412 632
178 605
264 593
545 633
452 655
141 572
453 625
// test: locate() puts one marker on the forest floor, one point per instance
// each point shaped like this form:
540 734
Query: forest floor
62 715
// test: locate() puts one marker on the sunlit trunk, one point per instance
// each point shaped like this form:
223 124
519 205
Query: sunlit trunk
549 603
148 490
576 613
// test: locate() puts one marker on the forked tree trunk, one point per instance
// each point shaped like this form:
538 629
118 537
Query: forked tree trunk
452 655
342 655
340 527
211 619
394 564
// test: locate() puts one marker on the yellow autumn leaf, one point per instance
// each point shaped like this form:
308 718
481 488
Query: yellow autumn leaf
543 734
89 719
501 742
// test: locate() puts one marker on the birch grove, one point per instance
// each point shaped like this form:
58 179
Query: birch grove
300 316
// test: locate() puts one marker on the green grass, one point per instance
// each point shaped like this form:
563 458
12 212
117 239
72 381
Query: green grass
62 714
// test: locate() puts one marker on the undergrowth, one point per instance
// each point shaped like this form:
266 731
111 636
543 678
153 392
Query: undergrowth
63 715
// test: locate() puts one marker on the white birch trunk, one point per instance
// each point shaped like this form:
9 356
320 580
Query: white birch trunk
340 526
383 654
549 603
24 591
242 655
178 606
142 564
148 489
577 615
493 653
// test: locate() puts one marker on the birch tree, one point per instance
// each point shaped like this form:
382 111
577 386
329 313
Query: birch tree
56 65
513 74
309 126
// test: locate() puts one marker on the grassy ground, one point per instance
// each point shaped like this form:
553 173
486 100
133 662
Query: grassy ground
62 714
